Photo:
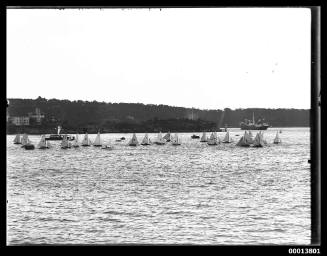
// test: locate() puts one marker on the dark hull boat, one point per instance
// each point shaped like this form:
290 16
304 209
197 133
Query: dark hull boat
29 146
195 136
254 127
57 137
248 125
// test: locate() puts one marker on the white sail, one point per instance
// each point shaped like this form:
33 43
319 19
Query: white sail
277 139
133 141
204 137
160 139
248 138
213 140
146 140
43 143
176 140
97 141
25 139
65 143
167 137
227 138
244 140
86 141
258 140
75 142
17 139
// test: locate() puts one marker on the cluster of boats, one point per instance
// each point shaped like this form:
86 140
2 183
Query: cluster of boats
246 140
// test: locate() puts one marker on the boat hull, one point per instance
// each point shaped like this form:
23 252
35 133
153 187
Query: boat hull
29 147
159 143
254 127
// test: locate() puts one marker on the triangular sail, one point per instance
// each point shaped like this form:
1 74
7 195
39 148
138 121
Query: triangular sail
25 139
42 143
258 140
86 141
213 140
167 136
97 141
133 140
64 142
204 137
176 140
277 139
227 138
146 140
75 142
17 139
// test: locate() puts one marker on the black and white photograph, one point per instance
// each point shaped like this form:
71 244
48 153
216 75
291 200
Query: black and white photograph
159 126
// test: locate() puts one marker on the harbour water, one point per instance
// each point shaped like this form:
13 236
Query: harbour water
188 194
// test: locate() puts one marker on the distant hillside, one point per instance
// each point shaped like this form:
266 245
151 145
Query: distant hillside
85 114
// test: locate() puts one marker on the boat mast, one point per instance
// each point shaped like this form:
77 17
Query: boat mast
253 117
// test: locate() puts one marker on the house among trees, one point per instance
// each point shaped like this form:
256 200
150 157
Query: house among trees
37 116
26 120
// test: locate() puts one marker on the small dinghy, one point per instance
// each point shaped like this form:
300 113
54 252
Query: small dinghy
160 140
133 142
107 147
277 140
227 138
17 139
43 144
213 140
195 136
97 142
176 141
29 146
204 137
86 142
146 140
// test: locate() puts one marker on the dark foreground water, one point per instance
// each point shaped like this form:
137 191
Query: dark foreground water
190 194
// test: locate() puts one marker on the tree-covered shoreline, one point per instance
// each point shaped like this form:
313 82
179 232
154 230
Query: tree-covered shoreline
80 116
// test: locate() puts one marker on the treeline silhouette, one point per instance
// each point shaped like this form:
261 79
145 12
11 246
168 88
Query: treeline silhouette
137 117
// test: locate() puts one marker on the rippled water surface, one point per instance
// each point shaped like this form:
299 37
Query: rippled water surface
193 193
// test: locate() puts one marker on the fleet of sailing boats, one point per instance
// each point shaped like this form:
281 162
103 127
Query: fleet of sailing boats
245 141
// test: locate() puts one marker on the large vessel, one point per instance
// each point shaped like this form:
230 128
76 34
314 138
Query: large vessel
259 125
58 136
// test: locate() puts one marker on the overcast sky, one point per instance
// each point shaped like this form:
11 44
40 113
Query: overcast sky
202 58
